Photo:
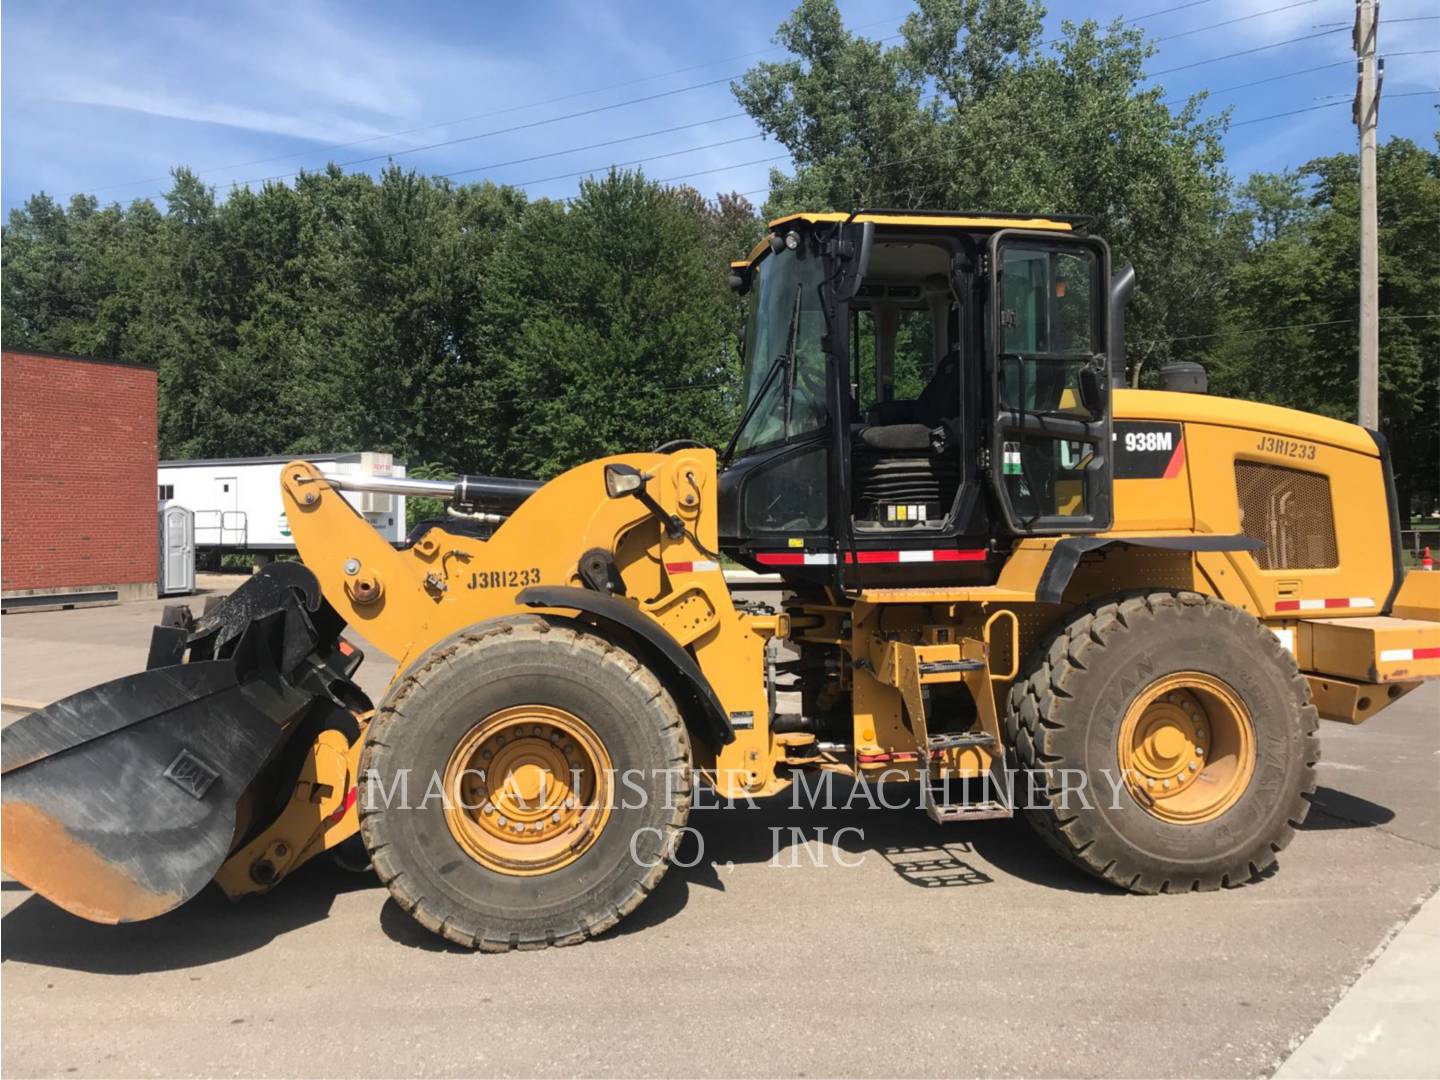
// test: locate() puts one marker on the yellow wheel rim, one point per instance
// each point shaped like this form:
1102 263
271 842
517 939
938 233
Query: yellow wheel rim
1187 748
528 790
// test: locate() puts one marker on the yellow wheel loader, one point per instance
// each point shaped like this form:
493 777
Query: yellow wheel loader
1005 583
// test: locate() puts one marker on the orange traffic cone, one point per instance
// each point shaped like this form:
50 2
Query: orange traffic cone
1427 563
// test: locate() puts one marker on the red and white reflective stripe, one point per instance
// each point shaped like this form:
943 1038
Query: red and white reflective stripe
691 567
1431 652
827 558
1325 605
795 558
942 555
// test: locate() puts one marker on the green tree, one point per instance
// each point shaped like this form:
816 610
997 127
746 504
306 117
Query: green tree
1289 328
601 330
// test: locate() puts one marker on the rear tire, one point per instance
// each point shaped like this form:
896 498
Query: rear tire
470 703
1165 659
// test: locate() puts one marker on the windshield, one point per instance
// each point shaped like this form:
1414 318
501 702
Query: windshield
785 311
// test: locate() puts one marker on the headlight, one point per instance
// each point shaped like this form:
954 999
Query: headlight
623 480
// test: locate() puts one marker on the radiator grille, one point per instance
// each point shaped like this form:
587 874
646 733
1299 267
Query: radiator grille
1290 511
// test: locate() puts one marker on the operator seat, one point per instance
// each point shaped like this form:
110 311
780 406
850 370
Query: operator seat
911 425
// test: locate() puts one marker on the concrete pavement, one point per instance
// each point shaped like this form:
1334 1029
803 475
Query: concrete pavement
1384 1026
906 949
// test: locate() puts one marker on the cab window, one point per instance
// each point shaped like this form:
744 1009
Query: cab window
784 361
1047 327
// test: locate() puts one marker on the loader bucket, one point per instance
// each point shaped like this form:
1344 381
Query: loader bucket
121 802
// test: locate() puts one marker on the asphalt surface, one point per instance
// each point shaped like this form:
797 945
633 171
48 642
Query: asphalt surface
908 949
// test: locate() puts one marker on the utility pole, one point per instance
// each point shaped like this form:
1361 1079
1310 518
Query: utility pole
1370 74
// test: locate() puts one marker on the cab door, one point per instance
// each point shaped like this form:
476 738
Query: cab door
1047 339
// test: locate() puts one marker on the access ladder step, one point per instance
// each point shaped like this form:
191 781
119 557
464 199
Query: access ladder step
959 739
949 667
996 800
946 813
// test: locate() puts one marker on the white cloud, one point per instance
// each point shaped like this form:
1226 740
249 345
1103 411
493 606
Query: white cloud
84 91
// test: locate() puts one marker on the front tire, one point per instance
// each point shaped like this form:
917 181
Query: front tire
524 785
1192 730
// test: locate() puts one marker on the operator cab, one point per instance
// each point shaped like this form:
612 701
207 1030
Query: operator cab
901 425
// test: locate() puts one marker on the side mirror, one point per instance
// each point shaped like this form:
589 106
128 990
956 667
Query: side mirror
850 248
1093 386
622 480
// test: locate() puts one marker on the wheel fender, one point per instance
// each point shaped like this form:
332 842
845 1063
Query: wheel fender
1065 556
673 664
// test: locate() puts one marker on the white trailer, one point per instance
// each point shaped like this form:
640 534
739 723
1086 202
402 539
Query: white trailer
237 500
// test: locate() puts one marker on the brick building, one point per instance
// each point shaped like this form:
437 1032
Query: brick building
77 480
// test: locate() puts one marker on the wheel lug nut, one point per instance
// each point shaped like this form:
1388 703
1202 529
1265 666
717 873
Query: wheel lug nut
555 817
1165 784
503 821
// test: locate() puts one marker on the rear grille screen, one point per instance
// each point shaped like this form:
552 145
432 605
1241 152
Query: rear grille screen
1289 511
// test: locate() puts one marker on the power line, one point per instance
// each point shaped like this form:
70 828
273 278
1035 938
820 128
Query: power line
641 161
568 116
632 101
1328 105
1169 10
1289 75
1241 52
1231 22
1271 329
726 168
591 146
679 90
484 115
779 157
508 130
1142 18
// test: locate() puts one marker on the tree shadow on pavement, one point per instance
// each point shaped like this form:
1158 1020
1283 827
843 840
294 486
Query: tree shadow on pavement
1331 809
208 929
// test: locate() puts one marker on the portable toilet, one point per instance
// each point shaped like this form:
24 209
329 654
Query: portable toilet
177 549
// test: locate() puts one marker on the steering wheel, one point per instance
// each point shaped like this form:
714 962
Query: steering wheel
679 444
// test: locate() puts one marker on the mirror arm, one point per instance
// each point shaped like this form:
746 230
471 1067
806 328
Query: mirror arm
674 527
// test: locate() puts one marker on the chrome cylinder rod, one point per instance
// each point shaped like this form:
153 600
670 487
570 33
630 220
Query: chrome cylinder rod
393 485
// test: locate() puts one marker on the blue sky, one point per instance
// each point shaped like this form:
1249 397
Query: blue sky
106 97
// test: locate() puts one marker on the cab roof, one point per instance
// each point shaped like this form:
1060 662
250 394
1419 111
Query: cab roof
928 219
